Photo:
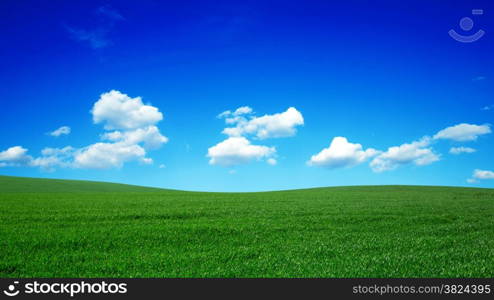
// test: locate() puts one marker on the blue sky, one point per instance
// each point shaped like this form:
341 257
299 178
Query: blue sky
398 100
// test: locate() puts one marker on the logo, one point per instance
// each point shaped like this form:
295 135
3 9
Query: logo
68 288
466 24
11 290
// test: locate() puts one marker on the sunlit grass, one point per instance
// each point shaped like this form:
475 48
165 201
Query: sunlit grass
84 229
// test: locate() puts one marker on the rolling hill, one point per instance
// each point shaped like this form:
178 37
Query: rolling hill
63 228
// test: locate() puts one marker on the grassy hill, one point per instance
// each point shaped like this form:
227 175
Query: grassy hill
9 184
61 228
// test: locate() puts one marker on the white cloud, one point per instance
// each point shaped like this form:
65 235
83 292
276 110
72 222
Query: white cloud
50 158
226 113
268 126
64 130
14 156
119 111
243 110
108 155
419 153
162 166
488 107
480 175
460 150
95 156
150 136
272 161
237 150
15 153
415 152
341 153
54 157
137 133
147 161
234 120
57 151
47 163
483 174
463 132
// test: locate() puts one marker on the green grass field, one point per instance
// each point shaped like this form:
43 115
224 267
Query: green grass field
58 228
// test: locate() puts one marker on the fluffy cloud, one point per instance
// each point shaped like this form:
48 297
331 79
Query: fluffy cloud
243 110
57 151
54 157
50 158
237 150
463 132
416 152
480 175
268 126
341 153
136 134
419 153
47 163
14 156
150 136
118 111
483 174
64 130
460 150
109 155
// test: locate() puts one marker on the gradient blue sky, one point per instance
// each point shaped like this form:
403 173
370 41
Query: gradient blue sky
380 75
